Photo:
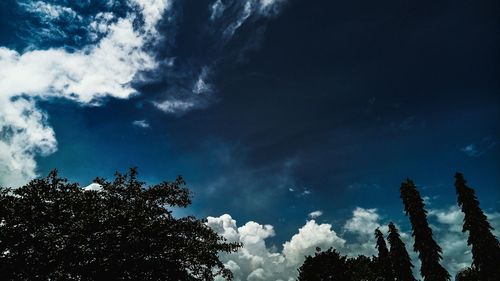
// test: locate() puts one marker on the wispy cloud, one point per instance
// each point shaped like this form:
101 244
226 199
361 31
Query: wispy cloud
476 150
315 214
141 124
189 81
471 150
174 106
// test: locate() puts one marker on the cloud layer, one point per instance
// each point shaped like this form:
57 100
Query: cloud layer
259 261
113 52
105 69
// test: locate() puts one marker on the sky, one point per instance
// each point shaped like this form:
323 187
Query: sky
293 122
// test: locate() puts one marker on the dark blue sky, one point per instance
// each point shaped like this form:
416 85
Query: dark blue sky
313 105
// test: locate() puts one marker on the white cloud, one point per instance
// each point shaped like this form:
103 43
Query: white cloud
141 124
256 261
471 150
46 10
363 222
310 236
201 85
174 106
93 187
452 217
305 192
449 235
315 214
84 76
217 8
244 11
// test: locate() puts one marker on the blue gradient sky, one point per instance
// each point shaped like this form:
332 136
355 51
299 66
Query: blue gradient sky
304 106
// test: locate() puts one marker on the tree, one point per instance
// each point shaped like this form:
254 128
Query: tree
362 268
400 260
384 268
326 265
485 246
54 230
428 250
467 274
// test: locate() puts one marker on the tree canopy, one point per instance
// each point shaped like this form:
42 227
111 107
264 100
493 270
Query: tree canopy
428 250
51 229
325 265
485 246
400 260
383 263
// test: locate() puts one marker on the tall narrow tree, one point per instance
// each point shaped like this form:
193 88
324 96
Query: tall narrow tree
384 268
485 246
428 250
400 260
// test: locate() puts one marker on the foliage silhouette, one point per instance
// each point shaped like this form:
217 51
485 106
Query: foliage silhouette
362 268
383 264
467 274
54 230
400 260
428 250
485 246
326 265
396 264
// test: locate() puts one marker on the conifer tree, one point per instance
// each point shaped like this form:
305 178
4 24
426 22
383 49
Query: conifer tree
485 246
401 262
384 267
428 250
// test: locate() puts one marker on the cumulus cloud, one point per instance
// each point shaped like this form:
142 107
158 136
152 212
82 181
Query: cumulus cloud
310 236
363 221
104 69
449 235
257 261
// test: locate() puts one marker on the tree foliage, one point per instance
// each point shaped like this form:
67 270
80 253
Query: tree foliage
383 264
362 268
428 250
326 265
485 246
400 260
54 230
395 264
468 274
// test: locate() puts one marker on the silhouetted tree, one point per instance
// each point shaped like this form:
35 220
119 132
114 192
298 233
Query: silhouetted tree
384 268
467 274
362 268
428 250
400 260
326 265
485 246
54 230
